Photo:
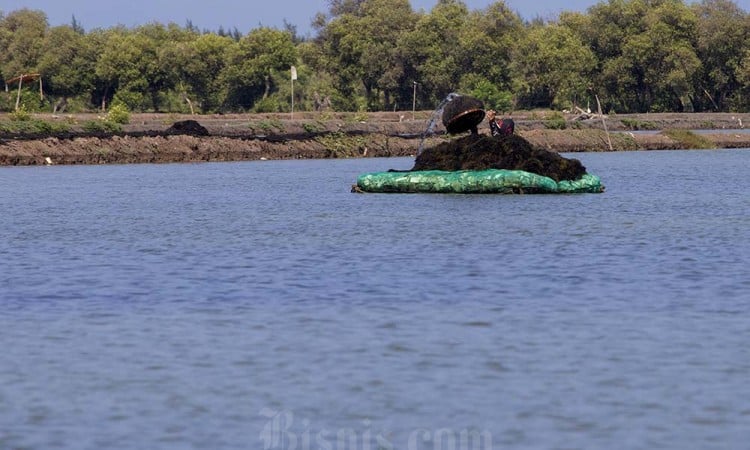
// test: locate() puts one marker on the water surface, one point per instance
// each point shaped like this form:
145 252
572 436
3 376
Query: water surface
262 305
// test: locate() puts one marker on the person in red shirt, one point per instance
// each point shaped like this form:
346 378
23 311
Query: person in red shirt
500 127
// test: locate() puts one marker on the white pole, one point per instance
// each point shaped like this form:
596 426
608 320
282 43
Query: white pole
292 98
18 96
293 73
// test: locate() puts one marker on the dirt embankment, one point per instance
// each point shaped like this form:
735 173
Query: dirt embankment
151 138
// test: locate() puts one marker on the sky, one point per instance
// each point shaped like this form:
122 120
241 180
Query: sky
244 14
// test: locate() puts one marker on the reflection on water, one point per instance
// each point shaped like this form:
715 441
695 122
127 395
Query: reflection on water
262 305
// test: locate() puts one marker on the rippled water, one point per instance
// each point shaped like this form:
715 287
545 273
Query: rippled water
261 305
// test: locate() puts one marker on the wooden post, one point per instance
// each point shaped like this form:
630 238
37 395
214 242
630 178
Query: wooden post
604 122
18 96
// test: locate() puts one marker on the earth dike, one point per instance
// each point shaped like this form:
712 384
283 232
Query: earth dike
166 138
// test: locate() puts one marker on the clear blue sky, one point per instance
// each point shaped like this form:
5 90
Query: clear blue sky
243 14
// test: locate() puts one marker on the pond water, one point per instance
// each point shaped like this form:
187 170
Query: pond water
262 305
740 131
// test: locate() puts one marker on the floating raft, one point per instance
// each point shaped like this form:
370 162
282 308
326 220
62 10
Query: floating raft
493 181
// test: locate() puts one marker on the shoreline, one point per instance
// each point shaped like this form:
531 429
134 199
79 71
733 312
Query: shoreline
244 137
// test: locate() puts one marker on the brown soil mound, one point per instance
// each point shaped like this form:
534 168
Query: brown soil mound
478 152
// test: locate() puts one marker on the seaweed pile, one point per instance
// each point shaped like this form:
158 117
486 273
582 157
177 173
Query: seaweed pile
189 127
479 152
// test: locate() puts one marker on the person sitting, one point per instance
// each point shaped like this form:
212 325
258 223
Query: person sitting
505 127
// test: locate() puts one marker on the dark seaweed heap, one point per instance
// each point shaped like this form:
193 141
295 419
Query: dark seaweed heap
478 152
190 127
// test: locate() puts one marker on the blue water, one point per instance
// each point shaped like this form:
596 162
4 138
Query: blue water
260 305
737 131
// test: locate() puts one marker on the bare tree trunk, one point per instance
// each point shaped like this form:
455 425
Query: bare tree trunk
190 104
268 87
60 106
104 99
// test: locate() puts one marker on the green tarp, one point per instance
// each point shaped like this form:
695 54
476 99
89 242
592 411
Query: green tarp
495 181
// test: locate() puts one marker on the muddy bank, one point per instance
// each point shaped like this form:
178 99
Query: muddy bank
185 148
153 138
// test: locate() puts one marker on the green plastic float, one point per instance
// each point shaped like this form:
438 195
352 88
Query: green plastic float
493 181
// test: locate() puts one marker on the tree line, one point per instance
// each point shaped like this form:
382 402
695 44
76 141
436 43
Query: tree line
376 55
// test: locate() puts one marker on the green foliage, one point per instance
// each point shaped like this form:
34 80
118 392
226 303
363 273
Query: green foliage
342 145
268 105
118 113
360 116
67 62
139 64
198 63
325 117
21 36
29 101
101 126
268 125
20 115
721 29
360 46
313 127
555 121
555 66
33 126
488 92
437 49
647 54
254 65
132 99
636 55
635 124
689 140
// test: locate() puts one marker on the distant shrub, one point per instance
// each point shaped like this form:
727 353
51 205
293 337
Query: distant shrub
689 140
267 125
312 127
556 121
341 145
33 126
118 113
20 115
635 124
133 100
267 105
488 92
40 126
101 126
